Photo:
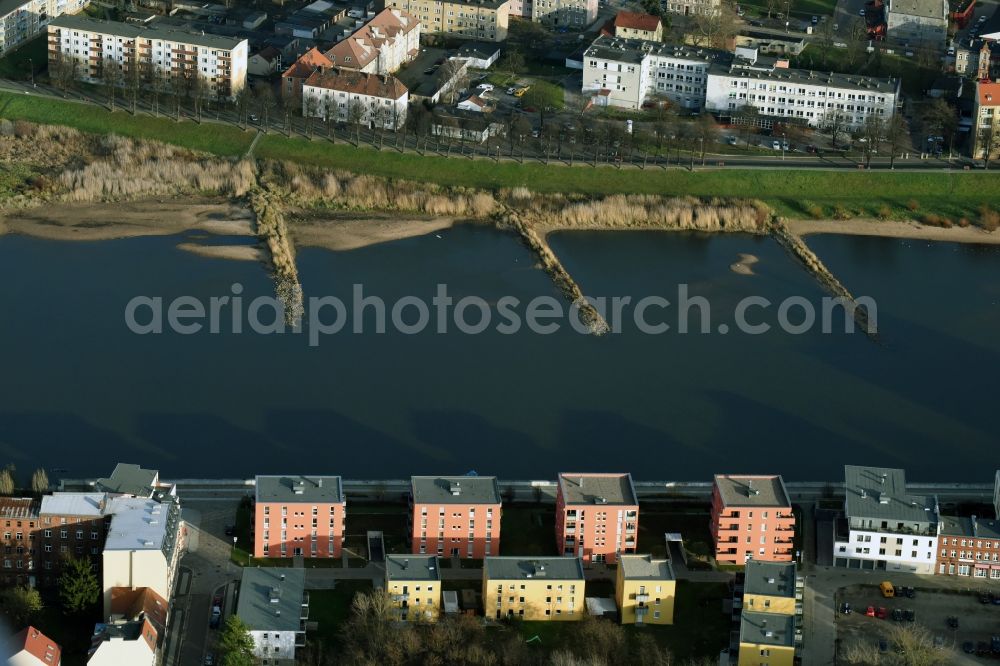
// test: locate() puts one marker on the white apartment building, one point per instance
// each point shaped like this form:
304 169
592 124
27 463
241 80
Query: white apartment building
381 46
143 545
274 606
20 21
779 93
571 14
917 22
693 7
886 528
629 72
220 63
351 96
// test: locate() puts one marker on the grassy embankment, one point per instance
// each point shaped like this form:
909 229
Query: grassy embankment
792 193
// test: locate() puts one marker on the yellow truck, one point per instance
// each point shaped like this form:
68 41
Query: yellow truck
520 91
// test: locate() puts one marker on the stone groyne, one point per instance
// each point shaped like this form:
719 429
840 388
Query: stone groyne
272 230
589 315
798 249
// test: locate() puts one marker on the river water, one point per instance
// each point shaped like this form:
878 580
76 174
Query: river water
80 391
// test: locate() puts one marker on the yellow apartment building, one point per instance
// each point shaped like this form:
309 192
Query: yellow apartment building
547 588
645 590
414 586
766 639
769 587
483 20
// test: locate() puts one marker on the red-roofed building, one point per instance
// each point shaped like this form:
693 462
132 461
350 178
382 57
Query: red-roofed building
373 100
986 119
302 69
381 46
30 647
635 25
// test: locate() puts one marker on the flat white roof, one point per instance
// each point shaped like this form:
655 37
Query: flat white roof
73 504
137 524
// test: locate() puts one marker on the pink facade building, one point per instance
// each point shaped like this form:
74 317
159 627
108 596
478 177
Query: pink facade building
597 516
752 518
455 516
299 516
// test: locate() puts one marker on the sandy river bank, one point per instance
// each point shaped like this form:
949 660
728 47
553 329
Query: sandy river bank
893 229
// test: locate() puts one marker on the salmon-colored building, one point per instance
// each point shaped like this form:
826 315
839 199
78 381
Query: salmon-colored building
752 518
597 516
299 516
455 516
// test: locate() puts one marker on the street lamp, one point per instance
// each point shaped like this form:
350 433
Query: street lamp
782 146
702 139
31 71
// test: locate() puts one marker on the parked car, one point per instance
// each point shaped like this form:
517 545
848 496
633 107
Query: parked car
939 642
776 145
953 622
882 613
511 90
995 645
845 608
870 611
909 592
486 87
888 591
909 615
815 20
731 140
897 614
968 647
861 12
216 618
521 91
996 599
785 146
209 659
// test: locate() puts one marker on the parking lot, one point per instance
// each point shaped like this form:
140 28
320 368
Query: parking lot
977 622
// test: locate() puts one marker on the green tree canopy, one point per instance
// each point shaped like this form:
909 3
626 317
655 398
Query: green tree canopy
236 643
79 588
21 604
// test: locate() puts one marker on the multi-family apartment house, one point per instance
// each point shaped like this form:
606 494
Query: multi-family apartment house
298 516
413 583
597 516
30 647
645 589
130 479
752 518
969 546
986 120
143 545
383 45
778 93
274 605
769 596
103 51
300 70
69 525
569 14
548 588
483 20
455 516
19 520
20 21
349 96
629 72
885 527
917 22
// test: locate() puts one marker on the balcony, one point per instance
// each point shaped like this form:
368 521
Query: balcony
641 611
642 598
401 598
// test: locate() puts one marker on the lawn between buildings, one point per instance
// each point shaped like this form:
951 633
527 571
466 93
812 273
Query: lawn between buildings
840 193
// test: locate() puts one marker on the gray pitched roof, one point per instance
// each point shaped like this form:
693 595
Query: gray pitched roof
129 479
880 493
929 9
767 629
455 489
292 489
597 488
153 31
962 526
412 567
271 598
752 490
774 579
644 567
524 568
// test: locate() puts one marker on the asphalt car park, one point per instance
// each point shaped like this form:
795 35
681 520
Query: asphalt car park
955 620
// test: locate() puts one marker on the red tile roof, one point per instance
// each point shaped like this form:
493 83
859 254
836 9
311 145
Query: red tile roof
37 644
364 44
358 83
307 63
989 94
637 21
142 601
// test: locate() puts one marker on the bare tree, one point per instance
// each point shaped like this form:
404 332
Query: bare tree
355 116
133 74
265 104
873 131
455 75
834 121
897 133
111 79
716 29
63 70
242 106
988 141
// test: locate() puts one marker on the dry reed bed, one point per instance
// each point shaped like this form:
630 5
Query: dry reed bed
273 231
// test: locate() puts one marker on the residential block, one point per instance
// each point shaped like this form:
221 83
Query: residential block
483 20
597 516
274 605
101 51
752 518
969 547
30 647
455 516
769 596
549 588
885 527
21 21
413 583
299 516
636 25
349 96
645 590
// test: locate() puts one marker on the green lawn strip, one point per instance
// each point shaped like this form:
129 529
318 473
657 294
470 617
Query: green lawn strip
655 523
528 529
210 137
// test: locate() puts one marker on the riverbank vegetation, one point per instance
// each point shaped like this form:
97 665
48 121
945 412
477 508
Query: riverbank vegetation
863 194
